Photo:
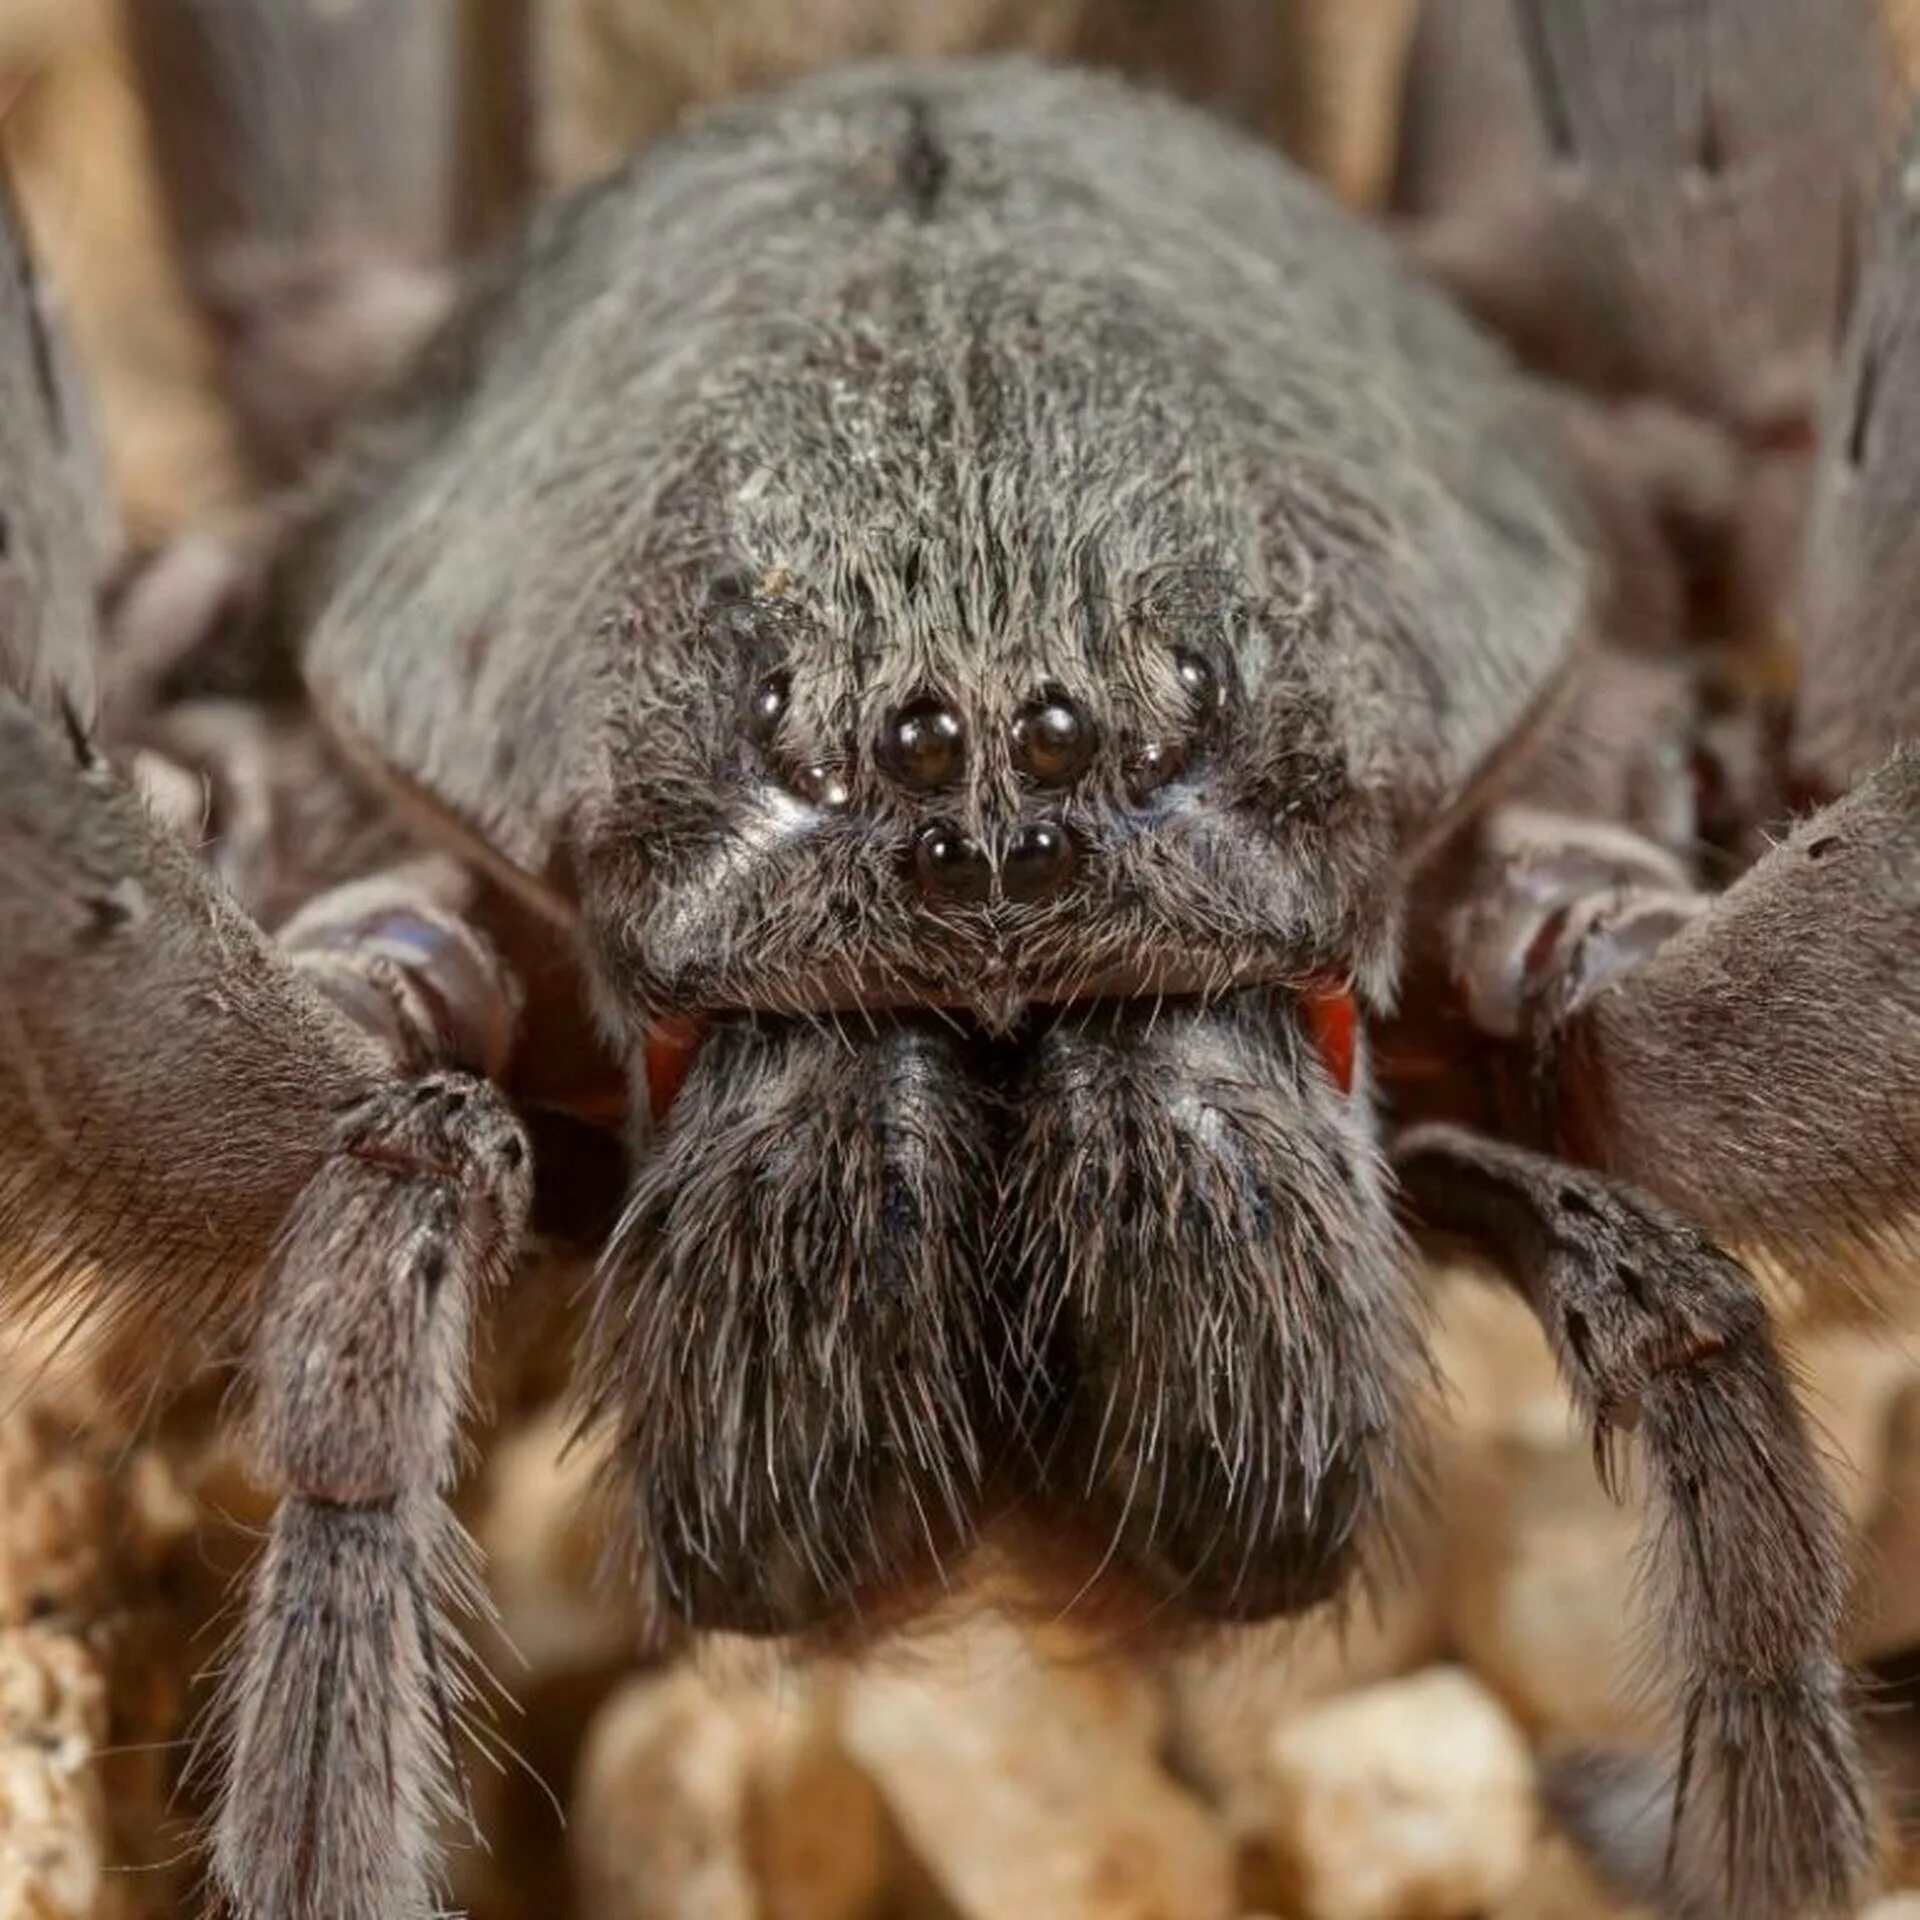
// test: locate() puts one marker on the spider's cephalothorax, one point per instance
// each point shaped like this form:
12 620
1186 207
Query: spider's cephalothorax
988 635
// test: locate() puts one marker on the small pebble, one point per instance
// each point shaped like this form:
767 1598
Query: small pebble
54 1831
707 1800
1018 1792
1412 1800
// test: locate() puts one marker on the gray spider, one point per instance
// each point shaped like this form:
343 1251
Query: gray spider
1035 728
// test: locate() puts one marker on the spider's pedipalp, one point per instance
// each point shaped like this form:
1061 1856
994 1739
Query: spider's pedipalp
1659 1331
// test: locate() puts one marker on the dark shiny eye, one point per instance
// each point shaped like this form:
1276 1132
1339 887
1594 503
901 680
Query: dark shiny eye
1053 739
1155 765
1040 861
946 861
824 786
925 745
1198 682
766 706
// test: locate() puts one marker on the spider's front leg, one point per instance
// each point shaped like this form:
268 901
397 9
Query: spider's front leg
1658 1330
1212 1284
181 1113
310 158
196 1144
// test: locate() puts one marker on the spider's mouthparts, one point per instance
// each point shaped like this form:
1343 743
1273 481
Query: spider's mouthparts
668 1051
999 1010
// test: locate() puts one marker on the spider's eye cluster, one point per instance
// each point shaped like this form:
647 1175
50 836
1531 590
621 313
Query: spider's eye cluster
924 745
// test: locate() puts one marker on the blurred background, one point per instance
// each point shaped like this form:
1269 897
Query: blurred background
1427 1757
551 93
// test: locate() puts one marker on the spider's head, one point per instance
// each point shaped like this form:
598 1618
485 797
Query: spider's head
873 794
984 706
1038 849
981 671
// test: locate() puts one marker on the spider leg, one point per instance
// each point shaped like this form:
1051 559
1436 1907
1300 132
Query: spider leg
1652 195
1750 1057
310 157
790 1337
1213 1290
204 1133
1659 1331
181 1112
1859 689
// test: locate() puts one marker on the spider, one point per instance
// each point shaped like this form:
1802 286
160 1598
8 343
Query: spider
1055 747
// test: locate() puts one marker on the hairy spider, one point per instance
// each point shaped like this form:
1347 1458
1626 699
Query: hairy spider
990 683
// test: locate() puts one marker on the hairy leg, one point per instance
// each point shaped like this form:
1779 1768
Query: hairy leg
203 1135
1859 692
1751 1057
791 1336
181 1113
311 161
1660 1333
1212 1289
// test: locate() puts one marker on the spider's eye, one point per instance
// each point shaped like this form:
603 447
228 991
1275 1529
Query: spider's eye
1040 861
1333 1025
1198 682
946 861
1053 739
1157 764
766 707
824 785
925 744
